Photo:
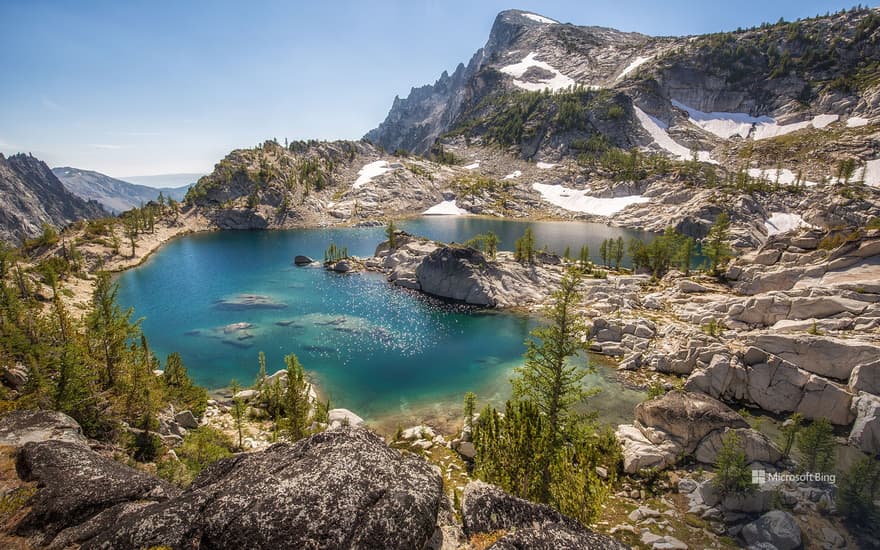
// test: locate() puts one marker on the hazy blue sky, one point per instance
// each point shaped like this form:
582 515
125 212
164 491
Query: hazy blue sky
148 87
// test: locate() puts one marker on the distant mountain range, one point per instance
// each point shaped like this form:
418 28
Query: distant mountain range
31 195
117 195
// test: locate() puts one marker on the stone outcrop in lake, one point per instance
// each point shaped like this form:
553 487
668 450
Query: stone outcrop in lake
463 274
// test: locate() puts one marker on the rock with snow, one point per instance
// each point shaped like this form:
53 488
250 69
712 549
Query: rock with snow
554 82
781 222
370 171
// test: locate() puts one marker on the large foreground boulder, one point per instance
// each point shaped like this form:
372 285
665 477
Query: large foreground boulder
20 427
344 488
75 484
486 508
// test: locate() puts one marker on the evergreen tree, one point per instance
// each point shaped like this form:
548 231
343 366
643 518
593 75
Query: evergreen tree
470 404
491 244
525 247
618 252
816 444
75 385
296 399
859 491
584 258
547 378
732 473
238 410
110 328
391 234
511 450
603 252
262 374
789 433
685 254
715 246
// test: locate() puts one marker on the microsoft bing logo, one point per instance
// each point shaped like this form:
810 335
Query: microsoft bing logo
760 477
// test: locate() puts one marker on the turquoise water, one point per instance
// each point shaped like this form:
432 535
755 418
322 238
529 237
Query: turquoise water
373 348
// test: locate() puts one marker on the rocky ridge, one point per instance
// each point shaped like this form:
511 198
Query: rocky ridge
31 196
113 194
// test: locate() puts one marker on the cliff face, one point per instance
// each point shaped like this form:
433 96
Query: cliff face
31 195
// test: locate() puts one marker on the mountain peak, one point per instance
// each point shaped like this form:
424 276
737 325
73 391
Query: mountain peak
525 17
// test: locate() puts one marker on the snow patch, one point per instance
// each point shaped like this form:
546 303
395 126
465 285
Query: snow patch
545 165
657 129
512 175
784 175
578 201
540 18
472 166
557 82
370 171
871 175
781 222
638 62
821 121
445 208
726 125
856 122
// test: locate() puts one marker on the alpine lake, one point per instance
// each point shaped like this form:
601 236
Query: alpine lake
391 355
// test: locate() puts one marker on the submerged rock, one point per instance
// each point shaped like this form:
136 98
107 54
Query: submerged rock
249 301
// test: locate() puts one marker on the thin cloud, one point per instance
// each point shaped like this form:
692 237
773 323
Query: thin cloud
135 134
107 146
49 104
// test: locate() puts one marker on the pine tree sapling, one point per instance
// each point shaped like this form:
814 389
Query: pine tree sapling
296 399
732 473
817 447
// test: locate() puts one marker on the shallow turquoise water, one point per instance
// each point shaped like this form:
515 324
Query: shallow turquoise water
373 348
